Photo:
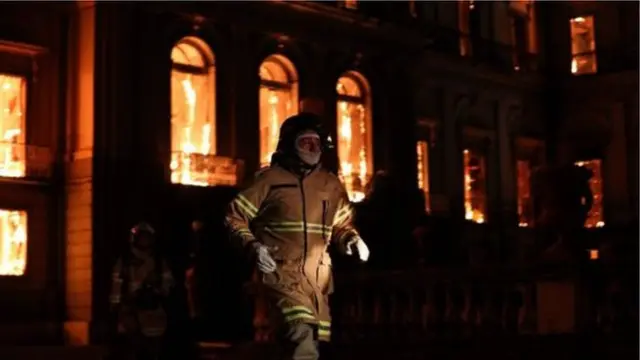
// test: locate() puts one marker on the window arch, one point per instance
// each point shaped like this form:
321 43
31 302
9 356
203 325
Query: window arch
193 112
354 133
278 101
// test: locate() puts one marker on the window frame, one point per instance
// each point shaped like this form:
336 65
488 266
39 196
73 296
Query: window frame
208 70
290 86
28 253
593 53
365 100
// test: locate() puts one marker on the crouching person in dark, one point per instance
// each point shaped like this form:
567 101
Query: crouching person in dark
141 282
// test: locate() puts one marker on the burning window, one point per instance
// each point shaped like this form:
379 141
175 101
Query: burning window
278 101
13 93
583 46
474 187
354 134
193 109
13 242
595 217
525 205
422 150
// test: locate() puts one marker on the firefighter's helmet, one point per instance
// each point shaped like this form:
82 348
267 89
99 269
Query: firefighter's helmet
296 124
141 228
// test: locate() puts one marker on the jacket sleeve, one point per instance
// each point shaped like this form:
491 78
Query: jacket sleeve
343 229
244 208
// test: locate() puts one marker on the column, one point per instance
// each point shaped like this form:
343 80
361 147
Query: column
79 179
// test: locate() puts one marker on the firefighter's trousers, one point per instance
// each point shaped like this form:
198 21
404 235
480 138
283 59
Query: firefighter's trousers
299 342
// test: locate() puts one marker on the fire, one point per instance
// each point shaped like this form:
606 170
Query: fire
278 101
473 198
184 163
352 139
12 147
595 217
423 170
13 242
523 168
275 120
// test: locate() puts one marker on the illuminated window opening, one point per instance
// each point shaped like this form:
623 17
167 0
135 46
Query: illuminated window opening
525 201
583 46
523 30
13 102
193 109
422 150
354 134
474 187
13 242
350 4
278 101
595 218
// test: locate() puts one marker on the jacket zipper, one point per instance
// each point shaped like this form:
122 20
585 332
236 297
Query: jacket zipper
304 228
324 236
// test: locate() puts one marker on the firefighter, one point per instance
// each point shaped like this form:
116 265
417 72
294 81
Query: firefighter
286 221
141 282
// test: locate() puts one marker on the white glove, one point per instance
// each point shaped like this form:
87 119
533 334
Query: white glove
360 247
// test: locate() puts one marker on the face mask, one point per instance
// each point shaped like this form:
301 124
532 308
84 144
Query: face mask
308 148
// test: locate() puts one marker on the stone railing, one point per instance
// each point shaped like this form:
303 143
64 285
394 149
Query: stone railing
419 304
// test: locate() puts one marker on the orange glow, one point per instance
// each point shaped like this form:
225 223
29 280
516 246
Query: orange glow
464 8
595 217
474 187
525 210
13 91
354 135
422 150
278 101
13 242
193 114
351 4
583 46
594 254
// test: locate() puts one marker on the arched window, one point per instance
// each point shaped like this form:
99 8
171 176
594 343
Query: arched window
354 133
193 109
278 101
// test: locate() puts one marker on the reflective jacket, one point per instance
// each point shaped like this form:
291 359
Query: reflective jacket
297 216
129 277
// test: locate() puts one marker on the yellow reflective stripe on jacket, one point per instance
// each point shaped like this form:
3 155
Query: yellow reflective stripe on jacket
298 226
324 329
294 313
250 211
342 214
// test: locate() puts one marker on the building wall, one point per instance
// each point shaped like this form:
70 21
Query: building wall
37 53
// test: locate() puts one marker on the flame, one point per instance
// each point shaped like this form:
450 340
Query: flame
12 148
13 242
194 137
354 170
595 216
473 211
274 124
